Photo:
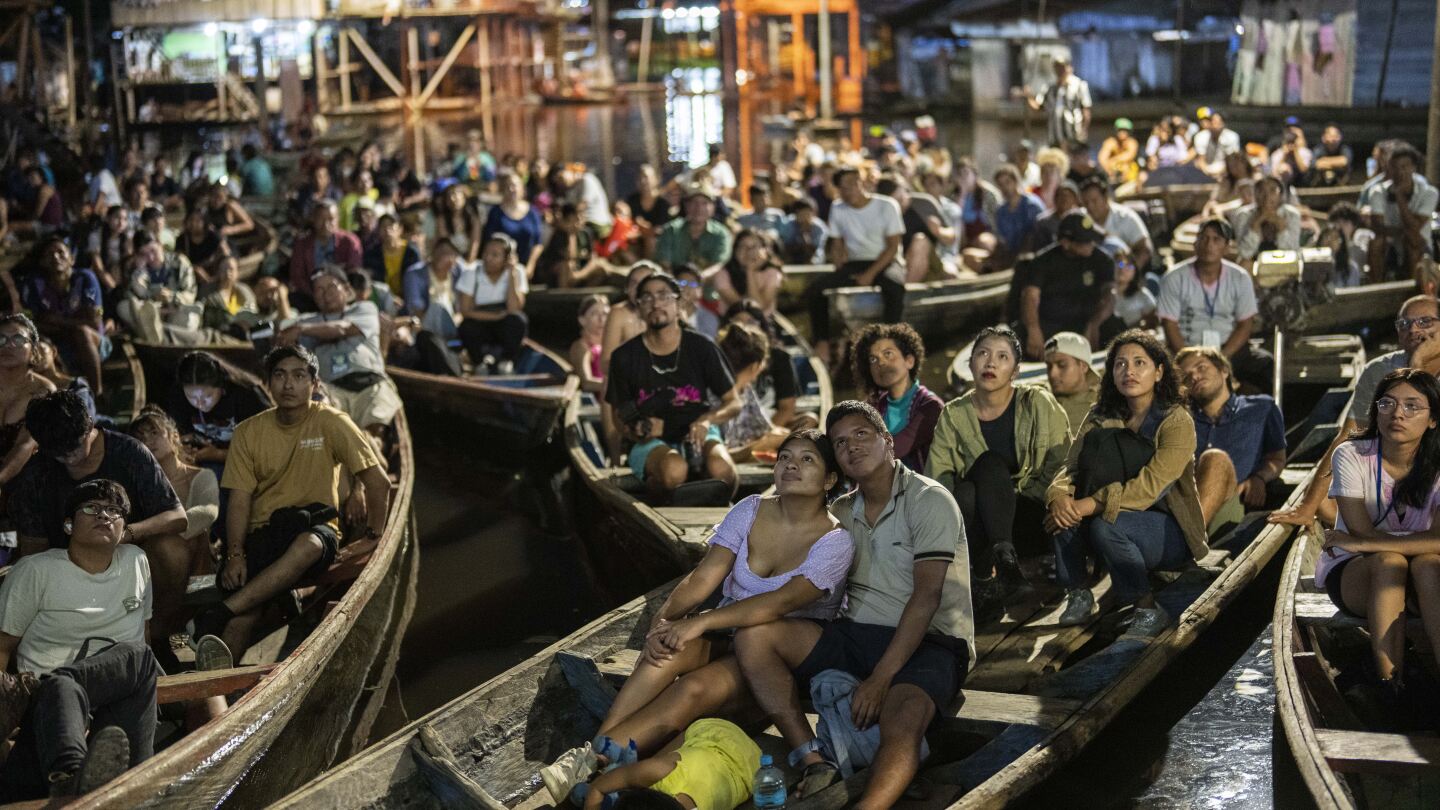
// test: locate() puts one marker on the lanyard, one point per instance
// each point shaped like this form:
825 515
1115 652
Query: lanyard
1379 493
1210 302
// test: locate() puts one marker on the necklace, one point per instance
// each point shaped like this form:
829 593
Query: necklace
657 369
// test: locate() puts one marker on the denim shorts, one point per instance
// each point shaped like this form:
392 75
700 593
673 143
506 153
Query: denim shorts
641 452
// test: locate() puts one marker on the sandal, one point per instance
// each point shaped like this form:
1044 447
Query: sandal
816 777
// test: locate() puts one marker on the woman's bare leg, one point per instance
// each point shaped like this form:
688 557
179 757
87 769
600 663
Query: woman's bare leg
715 690
648 681
1373 586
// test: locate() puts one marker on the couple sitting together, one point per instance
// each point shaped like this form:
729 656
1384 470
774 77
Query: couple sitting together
894 642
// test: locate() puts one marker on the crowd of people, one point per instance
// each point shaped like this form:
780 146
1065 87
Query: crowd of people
898 522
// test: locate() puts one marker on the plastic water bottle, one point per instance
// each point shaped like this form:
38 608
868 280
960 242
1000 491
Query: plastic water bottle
769 784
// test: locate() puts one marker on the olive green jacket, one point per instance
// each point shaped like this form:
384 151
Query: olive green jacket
1042 436
1173 463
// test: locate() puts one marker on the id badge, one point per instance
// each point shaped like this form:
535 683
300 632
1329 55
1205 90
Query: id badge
1211 338
339 366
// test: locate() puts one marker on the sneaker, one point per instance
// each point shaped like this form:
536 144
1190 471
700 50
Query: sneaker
816 777
1146 622
15 694
988 597
571 769
1079 607
107 757
212 654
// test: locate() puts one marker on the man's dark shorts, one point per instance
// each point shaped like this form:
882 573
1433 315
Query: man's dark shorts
264 547
938 666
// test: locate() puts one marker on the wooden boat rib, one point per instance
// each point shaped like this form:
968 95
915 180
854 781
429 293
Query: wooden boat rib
1323 198
324 689
1342 764
934 308
126 391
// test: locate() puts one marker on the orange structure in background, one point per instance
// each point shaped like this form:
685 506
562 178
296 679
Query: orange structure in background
746 19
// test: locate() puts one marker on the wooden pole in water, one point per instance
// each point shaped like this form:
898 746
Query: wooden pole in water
647 26
70 72
1432 137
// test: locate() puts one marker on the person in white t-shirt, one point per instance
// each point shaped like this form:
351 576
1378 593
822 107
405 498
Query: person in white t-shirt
1207 301
1400 210
492 304
865 232
1212 143
1118 221
77 619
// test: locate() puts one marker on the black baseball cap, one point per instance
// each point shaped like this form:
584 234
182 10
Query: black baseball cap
1078 226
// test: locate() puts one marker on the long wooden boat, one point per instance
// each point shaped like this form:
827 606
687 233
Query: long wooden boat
126 389
1037 695
1181 201
937 309
1343 763
323 691
1182 239
552 311
798 278
524 406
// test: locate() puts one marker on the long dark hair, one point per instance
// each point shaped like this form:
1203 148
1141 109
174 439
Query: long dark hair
826 451
1112 404
1414 489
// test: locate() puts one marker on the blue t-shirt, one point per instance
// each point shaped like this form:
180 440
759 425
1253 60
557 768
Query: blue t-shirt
1013 225
84 294
525 230
1249 427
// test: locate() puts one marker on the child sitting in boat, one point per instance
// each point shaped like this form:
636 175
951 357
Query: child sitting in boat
1137 523
775 556
711 767
1383 549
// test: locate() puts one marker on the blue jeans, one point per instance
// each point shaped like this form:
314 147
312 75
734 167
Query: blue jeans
1135 544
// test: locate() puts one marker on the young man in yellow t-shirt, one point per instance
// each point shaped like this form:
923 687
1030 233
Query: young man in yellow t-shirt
283 460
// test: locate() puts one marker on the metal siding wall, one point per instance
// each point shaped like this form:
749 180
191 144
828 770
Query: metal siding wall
1407 81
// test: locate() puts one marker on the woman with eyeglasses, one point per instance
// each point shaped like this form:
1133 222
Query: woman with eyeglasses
1134 304
1385 541
19 383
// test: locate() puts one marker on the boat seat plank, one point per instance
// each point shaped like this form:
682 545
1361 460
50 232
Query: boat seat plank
1016 709
1371 752
752 476
1316 610
208 683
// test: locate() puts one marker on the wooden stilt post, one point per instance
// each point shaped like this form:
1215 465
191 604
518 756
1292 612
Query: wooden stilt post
798 45
345 100
71 85
322 72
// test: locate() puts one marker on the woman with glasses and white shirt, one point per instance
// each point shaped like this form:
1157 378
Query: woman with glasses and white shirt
1385 541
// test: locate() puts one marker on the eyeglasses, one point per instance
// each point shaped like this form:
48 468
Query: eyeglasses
1422 322
107 512
1387 405
688 285
658 298
20 341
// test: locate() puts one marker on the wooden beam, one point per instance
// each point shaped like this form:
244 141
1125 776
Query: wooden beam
345 98
1369 752
208 683
446 64
321 70
376 62
22 59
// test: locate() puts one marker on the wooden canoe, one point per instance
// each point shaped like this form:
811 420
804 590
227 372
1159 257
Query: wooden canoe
1342 762
1034 700
126 389
937 309
324 691
523 407
1182 239
797 279
552 311
1181 200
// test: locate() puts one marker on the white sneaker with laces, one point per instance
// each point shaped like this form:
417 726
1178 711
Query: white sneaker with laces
572 768
1079 607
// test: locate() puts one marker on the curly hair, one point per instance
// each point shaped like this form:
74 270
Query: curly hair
1112 404
905 337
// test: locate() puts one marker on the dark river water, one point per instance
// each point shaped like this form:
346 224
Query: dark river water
501 576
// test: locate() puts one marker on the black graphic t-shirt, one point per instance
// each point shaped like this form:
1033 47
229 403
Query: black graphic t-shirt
676 387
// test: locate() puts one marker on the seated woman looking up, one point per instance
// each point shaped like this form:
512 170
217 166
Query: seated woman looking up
1385 539
585 351
197 487
1140 416
752 272
775 556
997 448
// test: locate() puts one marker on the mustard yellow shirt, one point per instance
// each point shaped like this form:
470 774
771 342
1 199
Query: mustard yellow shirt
717 766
